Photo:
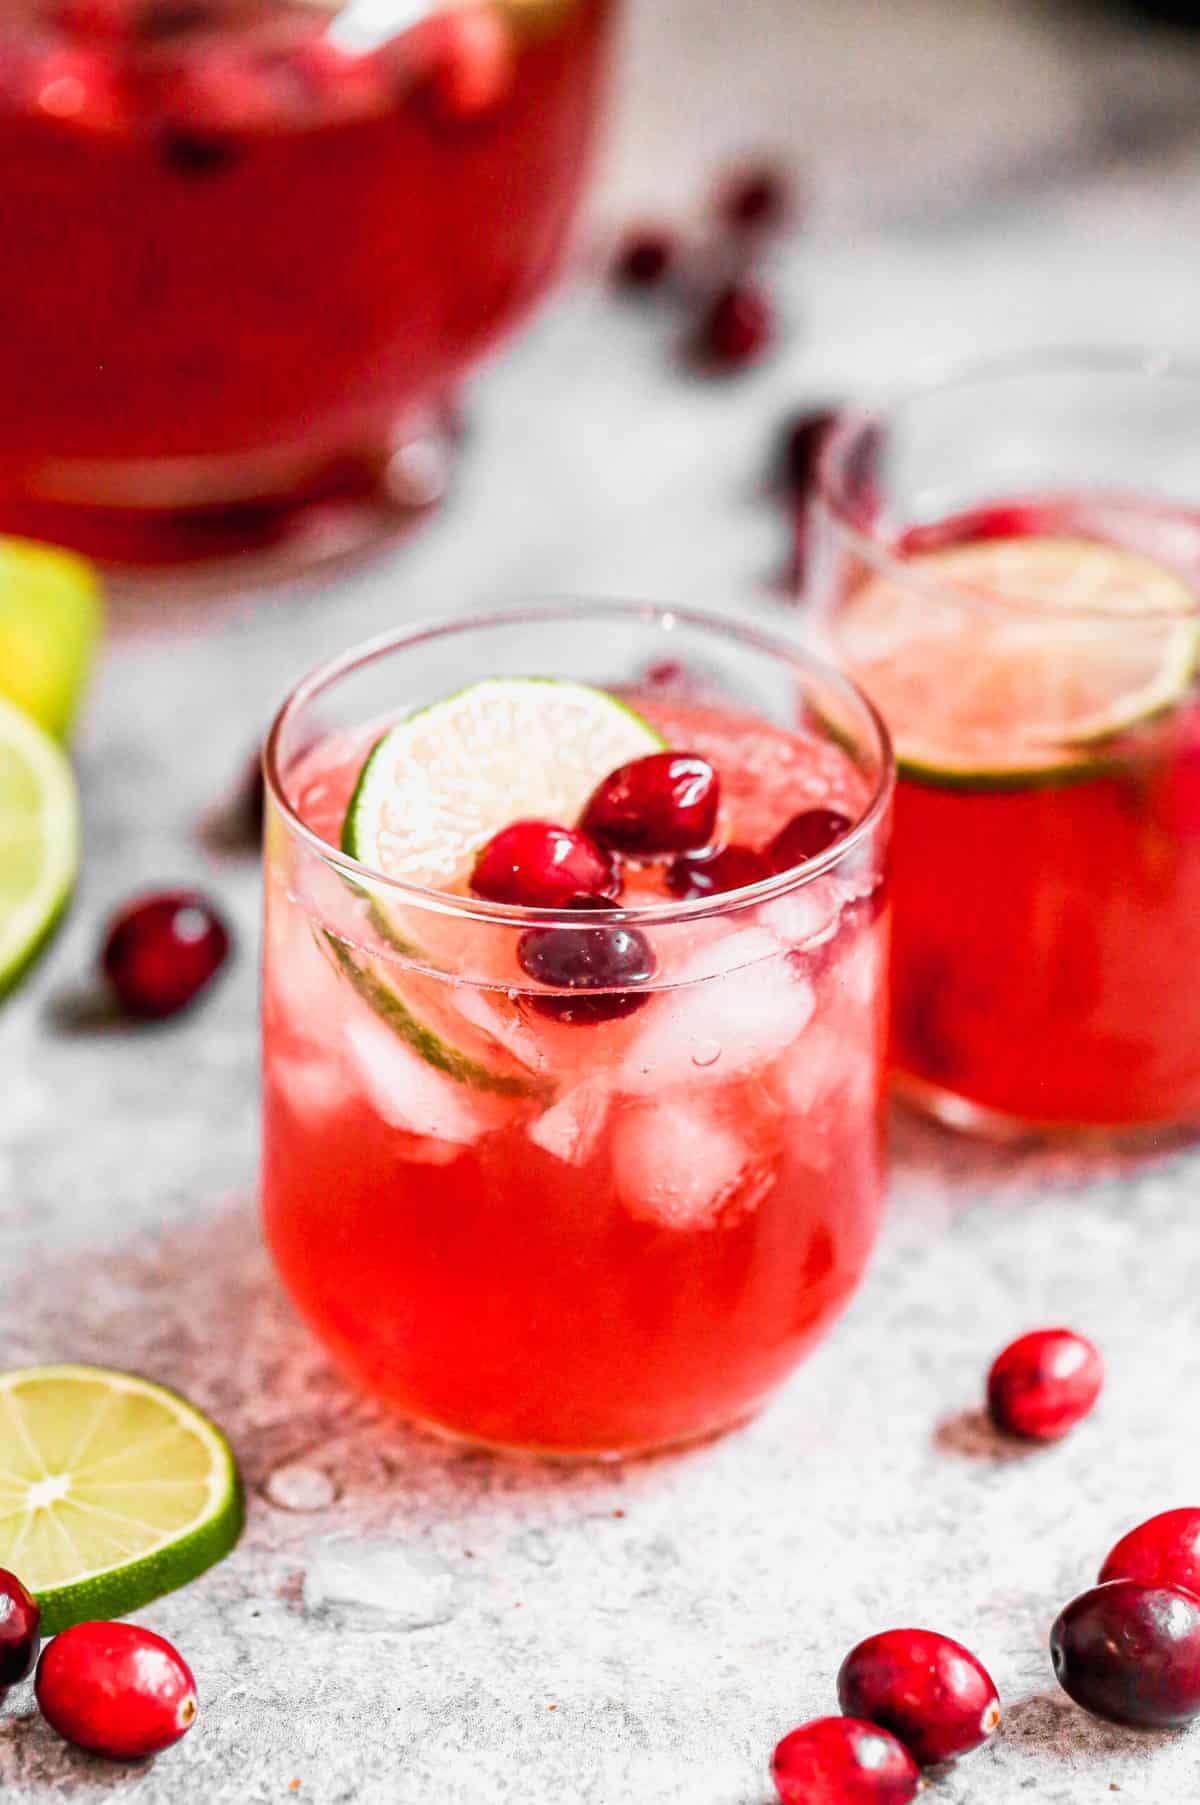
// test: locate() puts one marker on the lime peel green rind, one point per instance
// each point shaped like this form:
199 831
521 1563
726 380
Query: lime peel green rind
39 818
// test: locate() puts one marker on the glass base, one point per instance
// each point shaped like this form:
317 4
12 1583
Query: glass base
585 1456
963 1116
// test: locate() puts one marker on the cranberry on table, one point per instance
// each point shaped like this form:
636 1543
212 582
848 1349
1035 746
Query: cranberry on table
1131 1653
712 874
603 961
806 836
844 1761
539 865
1164 1551
928 1690
644 258
737 328
666 802
1044 1383
115 1689
20 1630
756 198
162 950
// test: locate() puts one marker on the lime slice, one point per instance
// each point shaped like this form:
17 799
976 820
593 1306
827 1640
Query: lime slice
112 1491
1081 641
49 624
39 840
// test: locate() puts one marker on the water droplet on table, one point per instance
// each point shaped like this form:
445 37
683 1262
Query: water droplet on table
297 1487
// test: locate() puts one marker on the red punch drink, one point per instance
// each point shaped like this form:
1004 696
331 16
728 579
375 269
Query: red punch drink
578 1150
248 243
1036 655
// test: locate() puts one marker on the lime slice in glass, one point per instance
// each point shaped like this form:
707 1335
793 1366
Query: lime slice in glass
50 616
1018 659
39 840
112 1491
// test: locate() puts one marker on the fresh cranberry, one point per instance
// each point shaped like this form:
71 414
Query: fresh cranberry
540 866
20 1630
806 836
116 1689
644 258
736 329
799 446
1165 1551
757 198
712 873
161 951
929 1691
666 802
1131 1653
844 1761
1044 1383
605 961
77 86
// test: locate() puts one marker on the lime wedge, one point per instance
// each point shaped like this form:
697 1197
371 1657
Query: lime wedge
49 623
39 840
1068 643
112 1491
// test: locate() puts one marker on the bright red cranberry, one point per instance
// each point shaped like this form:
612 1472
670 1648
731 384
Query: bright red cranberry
1044 1383
161 951
1165 1551
644 258
806 836
757 198
666 802
1131 1653
609 962
737 329
538 865
116 1689
929 1691
799 446
711 874
844 1761
20 1630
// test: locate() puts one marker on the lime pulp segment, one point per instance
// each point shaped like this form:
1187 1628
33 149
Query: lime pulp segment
50 616
39 840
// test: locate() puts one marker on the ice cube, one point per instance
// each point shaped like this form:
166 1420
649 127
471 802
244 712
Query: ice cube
570 1128
825 1065
376 1583
312 1084
712 1029
805 918
408 1092
676 1164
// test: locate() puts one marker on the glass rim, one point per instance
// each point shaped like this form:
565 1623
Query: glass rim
942 376
323 677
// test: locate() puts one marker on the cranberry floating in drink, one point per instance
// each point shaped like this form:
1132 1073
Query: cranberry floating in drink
249 248
568 1145
1028 623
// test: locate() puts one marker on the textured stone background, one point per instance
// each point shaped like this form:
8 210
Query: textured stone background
404 1624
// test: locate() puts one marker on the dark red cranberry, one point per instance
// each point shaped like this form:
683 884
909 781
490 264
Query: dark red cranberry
711 874
1131 1653
736 329
666 802
607 962
538 865
161 951
844 1761
1044 1383
929 1691
20 1630
757 198
644 258
798 448
1165 1551
116 1689
806 836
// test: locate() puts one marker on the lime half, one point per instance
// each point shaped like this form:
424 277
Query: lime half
39 840
1081 641
112 1491
49 624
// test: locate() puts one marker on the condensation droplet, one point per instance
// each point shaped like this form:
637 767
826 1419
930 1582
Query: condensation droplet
707 1053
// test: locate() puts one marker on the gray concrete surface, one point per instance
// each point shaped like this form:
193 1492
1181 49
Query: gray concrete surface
404 1623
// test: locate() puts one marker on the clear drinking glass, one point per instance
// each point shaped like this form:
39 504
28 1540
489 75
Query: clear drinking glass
1009 561
578 1222
251 246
